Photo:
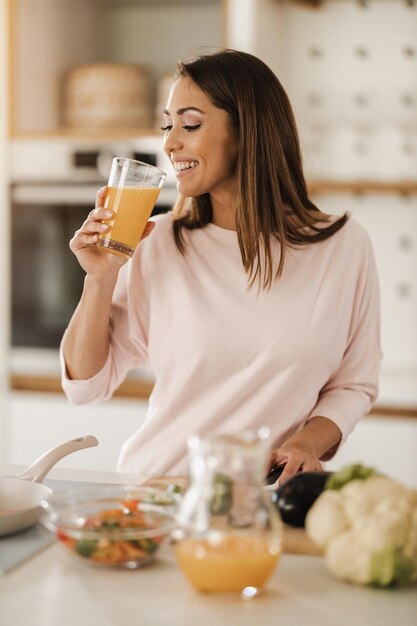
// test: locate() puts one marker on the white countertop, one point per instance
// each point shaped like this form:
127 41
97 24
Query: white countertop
53 589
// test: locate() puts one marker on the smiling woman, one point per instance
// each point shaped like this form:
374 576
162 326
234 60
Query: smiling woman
251 306
203 147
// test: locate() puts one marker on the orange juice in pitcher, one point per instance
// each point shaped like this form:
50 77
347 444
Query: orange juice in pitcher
229 533
233 563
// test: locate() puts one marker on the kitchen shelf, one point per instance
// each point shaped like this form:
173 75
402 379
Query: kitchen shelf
152 33
141 390
52 384
86 133
316 187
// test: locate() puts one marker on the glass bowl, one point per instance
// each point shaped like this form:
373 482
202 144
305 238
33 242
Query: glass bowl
119 526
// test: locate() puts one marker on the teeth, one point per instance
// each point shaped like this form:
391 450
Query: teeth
184 165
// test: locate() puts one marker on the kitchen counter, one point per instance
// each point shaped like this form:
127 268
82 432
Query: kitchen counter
397 396
52 588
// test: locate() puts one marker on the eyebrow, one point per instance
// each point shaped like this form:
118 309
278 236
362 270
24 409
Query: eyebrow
184 110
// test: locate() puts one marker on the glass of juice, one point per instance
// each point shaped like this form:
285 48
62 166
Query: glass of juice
133 189
229 535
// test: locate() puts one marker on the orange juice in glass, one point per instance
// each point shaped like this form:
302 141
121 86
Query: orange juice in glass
133 189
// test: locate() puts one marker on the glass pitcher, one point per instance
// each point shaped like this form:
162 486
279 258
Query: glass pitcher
229 534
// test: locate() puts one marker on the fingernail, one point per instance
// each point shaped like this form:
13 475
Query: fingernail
108 213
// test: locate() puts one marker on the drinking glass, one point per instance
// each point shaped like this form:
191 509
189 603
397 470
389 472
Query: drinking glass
133 189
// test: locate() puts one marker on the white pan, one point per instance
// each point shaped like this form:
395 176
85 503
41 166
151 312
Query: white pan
20 498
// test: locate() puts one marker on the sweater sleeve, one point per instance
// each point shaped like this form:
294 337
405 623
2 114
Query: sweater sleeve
128 346
352 389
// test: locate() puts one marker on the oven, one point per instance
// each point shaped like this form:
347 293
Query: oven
54 184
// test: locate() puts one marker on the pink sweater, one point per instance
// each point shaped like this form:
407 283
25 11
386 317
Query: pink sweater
225 358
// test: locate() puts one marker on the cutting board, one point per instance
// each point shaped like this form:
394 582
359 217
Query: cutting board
295 540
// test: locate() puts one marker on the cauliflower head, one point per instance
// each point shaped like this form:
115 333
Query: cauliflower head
367 527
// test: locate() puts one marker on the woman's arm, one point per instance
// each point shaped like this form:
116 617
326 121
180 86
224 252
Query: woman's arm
303 450
85 346
350 391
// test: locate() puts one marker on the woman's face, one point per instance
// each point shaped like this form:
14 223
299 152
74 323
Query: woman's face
199 141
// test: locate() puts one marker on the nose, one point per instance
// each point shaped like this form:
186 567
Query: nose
172 141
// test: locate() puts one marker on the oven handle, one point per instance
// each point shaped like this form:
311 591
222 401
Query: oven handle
64 194
53 194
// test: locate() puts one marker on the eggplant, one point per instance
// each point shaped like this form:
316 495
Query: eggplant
295 497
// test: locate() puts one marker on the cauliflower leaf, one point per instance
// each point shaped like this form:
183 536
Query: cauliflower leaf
356 471
390 567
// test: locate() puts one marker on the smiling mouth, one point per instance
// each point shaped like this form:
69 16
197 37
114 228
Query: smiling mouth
181 166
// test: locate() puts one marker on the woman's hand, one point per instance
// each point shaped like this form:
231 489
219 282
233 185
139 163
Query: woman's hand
303 450
94 261
296 457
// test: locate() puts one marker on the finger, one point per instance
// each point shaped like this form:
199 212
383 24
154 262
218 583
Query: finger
98 214
312 466
148 229
81 240
277 458
93 228
292 467
88 234
100 197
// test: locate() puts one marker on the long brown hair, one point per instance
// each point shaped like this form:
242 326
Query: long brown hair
272 201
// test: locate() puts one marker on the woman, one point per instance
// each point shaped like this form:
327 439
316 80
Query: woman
250 305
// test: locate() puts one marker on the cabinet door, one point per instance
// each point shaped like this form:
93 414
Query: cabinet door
391 222
388 444
38 421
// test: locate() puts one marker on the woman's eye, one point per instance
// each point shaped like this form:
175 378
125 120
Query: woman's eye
189 128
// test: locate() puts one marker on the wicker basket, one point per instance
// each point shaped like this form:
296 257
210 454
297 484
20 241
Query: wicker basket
107 96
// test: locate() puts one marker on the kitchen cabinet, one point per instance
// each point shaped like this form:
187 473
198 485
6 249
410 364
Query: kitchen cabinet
388 443
390 219
37 422
355 125
350 69
51 36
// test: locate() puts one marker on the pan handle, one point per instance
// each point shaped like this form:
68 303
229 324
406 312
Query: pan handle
39 469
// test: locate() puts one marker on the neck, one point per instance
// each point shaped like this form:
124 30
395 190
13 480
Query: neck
223 213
